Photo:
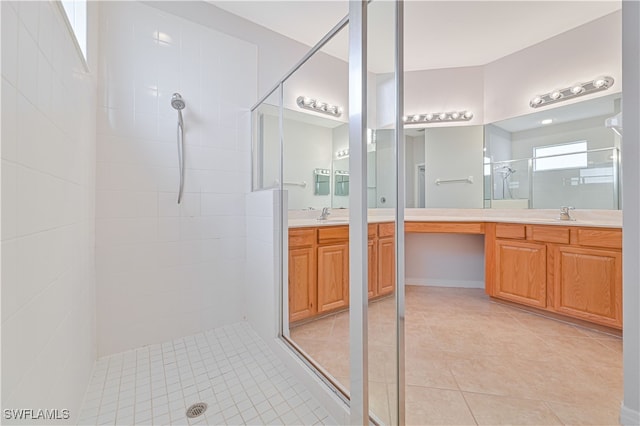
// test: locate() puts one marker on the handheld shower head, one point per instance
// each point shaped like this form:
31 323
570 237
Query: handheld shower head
177 102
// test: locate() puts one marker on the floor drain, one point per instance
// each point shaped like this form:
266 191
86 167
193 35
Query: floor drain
196 410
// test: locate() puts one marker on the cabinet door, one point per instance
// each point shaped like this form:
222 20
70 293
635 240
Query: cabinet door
386 265
521 272
373 268
302 283
588 284
333 276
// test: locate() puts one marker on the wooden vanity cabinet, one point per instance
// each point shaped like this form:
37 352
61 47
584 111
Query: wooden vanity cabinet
372 263
588 284
319 267
333 268
521 272
302 274
386 259
573 271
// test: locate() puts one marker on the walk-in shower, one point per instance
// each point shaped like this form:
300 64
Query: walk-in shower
178 103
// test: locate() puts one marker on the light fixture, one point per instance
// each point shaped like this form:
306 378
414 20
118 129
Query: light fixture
596 85
342 153
438 117
318 106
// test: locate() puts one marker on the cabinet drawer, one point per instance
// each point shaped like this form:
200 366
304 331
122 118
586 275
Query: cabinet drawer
386 229
333 234
510 230
445 227
301 237
608 238
550 234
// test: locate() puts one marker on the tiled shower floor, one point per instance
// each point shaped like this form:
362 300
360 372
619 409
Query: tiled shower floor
230 368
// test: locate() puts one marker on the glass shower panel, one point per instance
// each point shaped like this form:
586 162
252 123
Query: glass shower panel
383 346
266 143
315 172
510 184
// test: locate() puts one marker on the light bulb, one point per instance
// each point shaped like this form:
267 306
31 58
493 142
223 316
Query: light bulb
536 101
428 117
442 116
416 117
307 101
405 118
546 121
577 89
599 82
455 115
556 94
468 115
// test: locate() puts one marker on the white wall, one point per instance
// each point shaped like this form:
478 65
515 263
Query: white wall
444 90
306 147
414 155
444 260
454 153
277 54
385 169
578 55
166 270
48 175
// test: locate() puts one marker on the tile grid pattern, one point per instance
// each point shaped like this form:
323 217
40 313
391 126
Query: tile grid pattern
229 368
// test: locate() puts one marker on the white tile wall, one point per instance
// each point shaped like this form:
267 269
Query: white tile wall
229 368
167 270
48 181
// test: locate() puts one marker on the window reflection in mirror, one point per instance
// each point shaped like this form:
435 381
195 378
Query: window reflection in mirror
341 180
322 181
561 156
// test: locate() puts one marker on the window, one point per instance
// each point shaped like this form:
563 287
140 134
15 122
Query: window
557 157
76 11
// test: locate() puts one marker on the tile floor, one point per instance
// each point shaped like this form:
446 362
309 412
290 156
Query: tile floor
470 360
230 368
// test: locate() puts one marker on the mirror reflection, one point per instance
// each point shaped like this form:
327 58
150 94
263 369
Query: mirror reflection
567 155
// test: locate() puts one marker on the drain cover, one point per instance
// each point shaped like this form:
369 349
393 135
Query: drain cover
196 410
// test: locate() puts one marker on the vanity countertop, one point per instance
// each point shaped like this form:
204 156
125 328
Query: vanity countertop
588 218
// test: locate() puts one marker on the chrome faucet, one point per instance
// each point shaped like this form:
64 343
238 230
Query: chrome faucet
324 214
564 213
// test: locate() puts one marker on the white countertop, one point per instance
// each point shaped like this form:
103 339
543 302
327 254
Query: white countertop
594 218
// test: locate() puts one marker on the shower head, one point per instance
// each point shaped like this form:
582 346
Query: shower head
177 102
507 170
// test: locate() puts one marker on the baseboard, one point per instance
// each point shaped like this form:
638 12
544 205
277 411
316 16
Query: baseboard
443 283
629 417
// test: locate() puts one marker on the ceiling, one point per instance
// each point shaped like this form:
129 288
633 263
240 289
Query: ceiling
438 34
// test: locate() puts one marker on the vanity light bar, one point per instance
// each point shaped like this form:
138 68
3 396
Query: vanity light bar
342 172
318 106
342 153
322 172
579 89
438 117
